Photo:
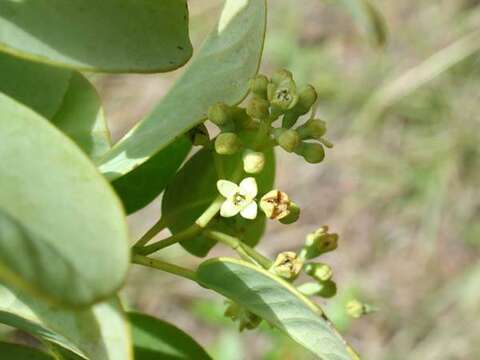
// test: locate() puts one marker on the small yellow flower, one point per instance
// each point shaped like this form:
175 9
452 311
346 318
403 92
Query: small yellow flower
239 198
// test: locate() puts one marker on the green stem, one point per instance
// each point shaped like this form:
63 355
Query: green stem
237 245
189 233
164 266
150 234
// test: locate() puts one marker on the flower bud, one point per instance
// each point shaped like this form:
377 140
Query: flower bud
258 86
275 204
325 289
289 119
319 271
319 242
246 319
312 129
227 144
281 75
199 135
258 108
311 152
253 161
287 265
220 114
306 99
293 214
288 139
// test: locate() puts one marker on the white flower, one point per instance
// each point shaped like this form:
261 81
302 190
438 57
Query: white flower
239 198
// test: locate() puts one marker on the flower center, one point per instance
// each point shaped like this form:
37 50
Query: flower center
283 95
238 199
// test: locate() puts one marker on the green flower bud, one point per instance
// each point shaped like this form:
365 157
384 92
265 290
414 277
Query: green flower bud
312 129
281 75
319 271
275 204
288 139
306 99
258 86
311 152
325 289
246 319
220 114
199 135
355 308
253 161
289 119
227 144
287 265
258 108
319 242
293 214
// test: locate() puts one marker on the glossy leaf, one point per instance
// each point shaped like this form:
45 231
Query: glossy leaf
156 339
90 35
62 96
20 352
64 234
97 333
142 185
220 72
193 190
369 19
277 302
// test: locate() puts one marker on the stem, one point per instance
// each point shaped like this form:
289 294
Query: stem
189 233
164 266
154 230
237 245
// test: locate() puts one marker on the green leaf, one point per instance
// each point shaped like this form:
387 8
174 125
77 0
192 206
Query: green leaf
20 352
63 232
62 96
277 302
193 190
156 339
220 72
369 19
105 36
97 333
142 185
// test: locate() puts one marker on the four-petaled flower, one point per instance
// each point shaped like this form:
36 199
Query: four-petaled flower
239 198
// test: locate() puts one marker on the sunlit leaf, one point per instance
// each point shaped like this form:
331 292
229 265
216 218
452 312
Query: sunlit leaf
106 36
277 302
63 231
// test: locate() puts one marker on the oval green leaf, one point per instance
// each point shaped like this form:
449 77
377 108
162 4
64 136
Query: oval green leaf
193 190
97 333
64 97
156 339
220 72
67 238
105 36
141 186
277 302
20 352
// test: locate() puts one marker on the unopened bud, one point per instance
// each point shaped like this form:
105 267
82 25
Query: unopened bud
319 271
357 309
313 153
319 242
287 265
258 86
306 98
312 129
288 139
289 119
275 204
293 214
325 289
220 114
253 161
199 135
258 108
227 144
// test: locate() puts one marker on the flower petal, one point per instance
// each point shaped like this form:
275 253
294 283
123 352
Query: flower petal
229 209
250 211
227 188
248 187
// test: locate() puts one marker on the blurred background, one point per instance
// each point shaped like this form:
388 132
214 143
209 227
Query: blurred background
400 186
